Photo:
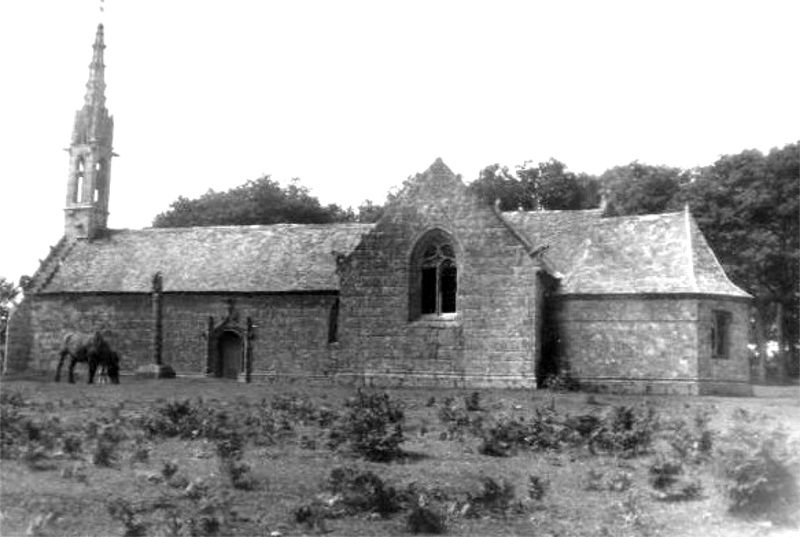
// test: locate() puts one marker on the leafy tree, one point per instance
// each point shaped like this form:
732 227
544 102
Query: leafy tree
547 185
748 206
260 201
496 182
555 188
369 212
637 188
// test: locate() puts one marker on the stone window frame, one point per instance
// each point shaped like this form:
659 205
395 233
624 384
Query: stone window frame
433 277
720 334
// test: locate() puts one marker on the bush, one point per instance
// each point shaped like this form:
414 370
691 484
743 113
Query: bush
13 399
616 481
186 419
363 492
763 476
123 512
493 499
459 420
664 473
472 402
372 426
424 520
543 431
626 430
692 443
537 487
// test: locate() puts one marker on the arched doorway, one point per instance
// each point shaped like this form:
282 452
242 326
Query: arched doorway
230 352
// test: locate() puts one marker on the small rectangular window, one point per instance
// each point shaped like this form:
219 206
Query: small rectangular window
720 327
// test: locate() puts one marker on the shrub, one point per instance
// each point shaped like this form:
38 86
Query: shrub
763 475
12 427
230 450
537 487
186 419
13 399
72 444
493 499
693 443
169 469
372 426
298 408
230 446
543 431
241 476
502 439
424 520
472 402
691 490
122 511
313 516
107 437
626 430
37 458
363 492
664 473
615 481
458 420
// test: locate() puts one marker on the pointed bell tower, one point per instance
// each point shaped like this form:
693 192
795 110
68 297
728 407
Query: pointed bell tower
90 153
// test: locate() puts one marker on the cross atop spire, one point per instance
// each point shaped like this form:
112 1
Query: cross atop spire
96 86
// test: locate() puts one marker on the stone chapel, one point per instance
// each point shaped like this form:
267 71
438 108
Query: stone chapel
443 290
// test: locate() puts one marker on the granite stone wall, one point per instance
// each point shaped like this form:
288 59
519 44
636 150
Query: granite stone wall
489 341
729 375
290 331
19 342
123 319
647 345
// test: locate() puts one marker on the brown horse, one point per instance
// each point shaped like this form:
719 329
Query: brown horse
92 349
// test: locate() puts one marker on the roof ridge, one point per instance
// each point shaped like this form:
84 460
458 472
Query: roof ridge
246 226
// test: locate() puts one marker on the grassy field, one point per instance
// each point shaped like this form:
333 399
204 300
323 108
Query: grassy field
96 460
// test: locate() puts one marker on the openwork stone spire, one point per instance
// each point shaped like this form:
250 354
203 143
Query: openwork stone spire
90 150
96 86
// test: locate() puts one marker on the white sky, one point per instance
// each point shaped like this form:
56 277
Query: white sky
353 97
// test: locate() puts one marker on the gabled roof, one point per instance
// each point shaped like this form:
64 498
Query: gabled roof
277 258
663 253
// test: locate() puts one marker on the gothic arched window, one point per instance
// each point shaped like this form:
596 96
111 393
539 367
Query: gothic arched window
434 276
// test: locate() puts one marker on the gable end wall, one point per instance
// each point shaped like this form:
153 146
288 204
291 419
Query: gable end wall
491 341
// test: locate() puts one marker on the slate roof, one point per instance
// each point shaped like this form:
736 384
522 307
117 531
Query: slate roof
652 254
663 253
277 258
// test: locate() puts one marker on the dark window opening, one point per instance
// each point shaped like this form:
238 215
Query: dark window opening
428 290
448 286
434 274
333 323
720 324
